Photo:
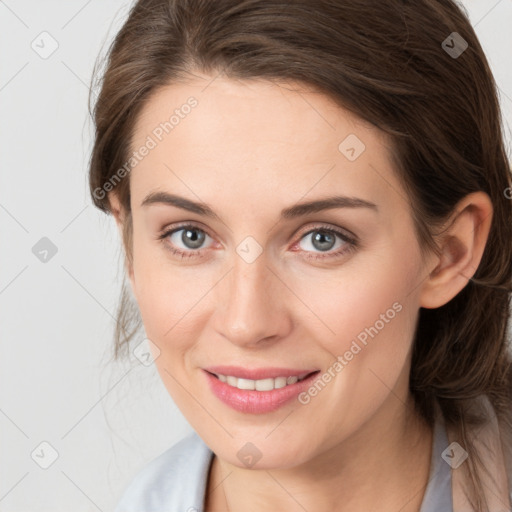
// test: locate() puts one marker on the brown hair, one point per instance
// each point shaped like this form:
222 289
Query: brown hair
384 61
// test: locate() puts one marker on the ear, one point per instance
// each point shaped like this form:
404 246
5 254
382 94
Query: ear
461 244
116 209
119 215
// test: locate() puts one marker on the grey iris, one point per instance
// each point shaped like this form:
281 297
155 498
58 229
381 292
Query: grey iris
192 238
319 240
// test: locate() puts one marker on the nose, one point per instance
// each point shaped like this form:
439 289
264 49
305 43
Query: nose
252 304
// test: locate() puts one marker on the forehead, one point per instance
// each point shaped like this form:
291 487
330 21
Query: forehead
226 137
284 112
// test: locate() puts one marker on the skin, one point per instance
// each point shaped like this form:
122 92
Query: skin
248 150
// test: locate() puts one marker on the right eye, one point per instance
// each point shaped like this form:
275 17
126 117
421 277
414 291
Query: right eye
184 241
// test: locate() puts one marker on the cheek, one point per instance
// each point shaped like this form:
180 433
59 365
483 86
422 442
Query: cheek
368 315
371 319
367 292
169 298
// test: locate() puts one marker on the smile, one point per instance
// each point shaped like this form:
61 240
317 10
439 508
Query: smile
258 395
259 385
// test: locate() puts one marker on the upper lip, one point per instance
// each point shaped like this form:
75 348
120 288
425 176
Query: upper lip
258 373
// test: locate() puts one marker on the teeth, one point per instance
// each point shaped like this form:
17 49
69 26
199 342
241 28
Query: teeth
245 384
258 385
279 382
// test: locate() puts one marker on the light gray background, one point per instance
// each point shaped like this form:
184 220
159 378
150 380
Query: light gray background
57 384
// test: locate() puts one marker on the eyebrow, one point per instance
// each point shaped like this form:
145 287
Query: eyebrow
291 212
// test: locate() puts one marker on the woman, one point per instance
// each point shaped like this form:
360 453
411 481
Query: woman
312 198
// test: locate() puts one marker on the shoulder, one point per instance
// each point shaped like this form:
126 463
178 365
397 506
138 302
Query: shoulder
488 448
175 480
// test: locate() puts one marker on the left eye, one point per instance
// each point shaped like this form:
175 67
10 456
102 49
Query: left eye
323 239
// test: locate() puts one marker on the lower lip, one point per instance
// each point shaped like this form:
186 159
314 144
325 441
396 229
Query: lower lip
257 402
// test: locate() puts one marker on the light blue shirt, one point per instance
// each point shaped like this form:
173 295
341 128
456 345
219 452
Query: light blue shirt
176 480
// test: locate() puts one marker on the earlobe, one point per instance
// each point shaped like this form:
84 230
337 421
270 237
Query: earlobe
116 209
462 245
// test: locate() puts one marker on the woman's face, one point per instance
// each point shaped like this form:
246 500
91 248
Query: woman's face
255 288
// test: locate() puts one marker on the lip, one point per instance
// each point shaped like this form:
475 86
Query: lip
257 402
258 373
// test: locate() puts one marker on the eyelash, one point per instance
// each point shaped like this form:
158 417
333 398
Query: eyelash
352 243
